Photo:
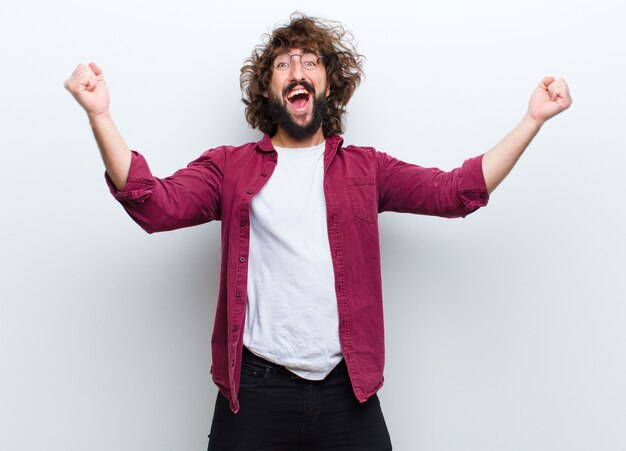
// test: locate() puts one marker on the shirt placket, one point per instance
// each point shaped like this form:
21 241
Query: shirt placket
334 237
269 161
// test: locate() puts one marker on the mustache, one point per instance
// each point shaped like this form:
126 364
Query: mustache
305 84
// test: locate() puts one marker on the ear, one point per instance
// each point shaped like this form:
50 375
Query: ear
328 91
265 94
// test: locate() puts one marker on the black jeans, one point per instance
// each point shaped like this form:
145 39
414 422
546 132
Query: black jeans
280 411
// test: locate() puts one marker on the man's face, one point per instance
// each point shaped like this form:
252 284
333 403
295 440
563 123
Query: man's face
297 96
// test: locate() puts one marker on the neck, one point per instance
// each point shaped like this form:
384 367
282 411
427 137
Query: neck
282 139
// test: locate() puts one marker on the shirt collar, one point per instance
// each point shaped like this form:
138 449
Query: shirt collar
333 144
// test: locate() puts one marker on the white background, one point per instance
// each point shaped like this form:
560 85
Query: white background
505 330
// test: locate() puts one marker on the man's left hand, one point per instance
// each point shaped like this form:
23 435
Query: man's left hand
549 99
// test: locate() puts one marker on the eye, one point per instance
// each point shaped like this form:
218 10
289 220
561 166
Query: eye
309 60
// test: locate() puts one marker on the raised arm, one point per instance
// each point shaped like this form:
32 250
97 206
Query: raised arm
88 87
549 99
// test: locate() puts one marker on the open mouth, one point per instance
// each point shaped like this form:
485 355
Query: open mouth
298 97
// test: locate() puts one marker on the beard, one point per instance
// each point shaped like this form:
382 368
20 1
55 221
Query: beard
283 119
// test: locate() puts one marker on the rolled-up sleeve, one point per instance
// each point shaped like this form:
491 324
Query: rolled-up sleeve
190 196
405 187
473 191
139 184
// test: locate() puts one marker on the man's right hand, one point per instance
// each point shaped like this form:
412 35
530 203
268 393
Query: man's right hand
89 89
87 86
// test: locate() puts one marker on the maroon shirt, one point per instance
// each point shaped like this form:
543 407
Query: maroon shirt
359 183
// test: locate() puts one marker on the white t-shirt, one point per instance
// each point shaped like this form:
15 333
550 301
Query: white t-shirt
291 313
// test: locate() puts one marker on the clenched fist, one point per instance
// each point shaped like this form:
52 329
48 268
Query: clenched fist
89 89
549 99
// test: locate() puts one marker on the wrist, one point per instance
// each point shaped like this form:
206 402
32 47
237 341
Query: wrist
532 122
99 116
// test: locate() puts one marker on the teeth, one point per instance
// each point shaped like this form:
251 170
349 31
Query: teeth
296 92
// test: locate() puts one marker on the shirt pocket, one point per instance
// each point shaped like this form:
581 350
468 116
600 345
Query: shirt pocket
363 197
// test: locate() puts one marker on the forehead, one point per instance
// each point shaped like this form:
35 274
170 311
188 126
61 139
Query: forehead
294 50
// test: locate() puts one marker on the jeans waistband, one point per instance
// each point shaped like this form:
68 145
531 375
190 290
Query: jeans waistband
279 370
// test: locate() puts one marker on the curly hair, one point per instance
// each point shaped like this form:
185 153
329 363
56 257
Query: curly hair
328 39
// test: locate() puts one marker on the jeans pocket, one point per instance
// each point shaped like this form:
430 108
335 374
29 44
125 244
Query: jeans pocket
251 374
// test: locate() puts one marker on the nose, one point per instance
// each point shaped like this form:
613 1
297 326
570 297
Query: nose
296 69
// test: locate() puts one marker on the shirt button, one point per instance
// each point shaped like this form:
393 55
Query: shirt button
242 259
235 327
263 174
232 363
243 223
249 192
238 294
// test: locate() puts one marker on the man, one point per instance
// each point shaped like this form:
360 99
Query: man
298 349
